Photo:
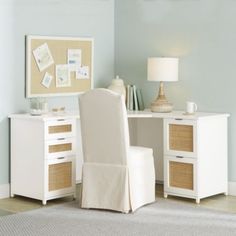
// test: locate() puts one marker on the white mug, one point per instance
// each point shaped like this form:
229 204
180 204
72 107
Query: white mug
191 107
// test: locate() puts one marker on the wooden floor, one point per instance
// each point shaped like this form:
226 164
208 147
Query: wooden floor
20 204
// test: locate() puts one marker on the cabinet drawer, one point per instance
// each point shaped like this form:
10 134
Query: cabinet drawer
180 137
180 175
61 176
61 147
60 128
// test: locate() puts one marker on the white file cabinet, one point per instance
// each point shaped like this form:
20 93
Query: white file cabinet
195 156
43 156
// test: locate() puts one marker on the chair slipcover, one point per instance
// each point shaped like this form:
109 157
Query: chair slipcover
115 176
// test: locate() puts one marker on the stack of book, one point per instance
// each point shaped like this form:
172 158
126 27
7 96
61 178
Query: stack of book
134 99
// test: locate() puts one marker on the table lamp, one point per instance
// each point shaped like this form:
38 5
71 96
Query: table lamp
162 69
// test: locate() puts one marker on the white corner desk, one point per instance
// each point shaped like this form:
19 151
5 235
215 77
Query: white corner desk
190 152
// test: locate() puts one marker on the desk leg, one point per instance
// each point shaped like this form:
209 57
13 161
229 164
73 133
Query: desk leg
165 195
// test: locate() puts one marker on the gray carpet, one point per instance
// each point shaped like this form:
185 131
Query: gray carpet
165 217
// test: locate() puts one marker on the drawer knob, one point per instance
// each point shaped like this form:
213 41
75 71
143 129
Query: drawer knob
60 158
178 119
61 139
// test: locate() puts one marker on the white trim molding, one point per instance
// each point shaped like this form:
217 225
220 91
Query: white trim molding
232 188
4 191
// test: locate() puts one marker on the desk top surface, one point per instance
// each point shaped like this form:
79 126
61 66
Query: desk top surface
130 114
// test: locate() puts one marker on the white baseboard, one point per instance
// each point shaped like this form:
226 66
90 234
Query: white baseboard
232 188
4 191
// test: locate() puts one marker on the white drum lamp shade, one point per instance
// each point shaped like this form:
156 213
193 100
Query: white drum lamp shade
162 69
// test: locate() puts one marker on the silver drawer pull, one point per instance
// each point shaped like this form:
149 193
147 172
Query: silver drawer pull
179 157
61 120
61 139
178 119
60 158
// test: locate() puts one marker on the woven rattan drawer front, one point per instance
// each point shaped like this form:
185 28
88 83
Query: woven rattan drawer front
181 137
181 175
55 129
60 148
59 176
60 128
64 147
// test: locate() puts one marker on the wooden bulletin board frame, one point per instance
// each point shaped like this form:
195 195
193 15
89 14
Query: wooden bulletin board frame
58 49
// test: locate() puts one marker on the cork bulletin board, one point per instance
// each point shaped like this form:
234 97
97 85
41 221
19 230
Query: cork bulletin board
57 66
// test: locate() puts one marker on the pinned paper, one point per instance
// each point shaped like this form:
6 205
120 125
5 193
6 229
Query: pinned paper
62 76
82 72
47 79
43 57
74 58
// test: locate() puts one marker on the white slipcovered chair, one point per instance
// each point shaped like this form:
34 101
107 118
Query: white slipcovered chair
116 176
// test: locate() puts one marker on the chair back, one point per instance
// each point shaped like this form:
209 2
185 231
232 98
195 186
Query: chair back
104 127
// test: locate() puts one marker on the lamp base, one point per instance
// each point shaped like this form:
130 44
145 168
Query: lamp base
161 106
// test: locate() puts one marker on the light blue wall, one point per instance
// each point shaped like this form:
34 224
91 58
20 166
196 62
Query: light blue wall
81 18
202 33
